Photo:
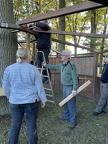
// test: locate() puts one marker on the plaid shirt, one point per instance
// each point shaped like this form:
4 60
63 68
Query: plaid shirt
22 84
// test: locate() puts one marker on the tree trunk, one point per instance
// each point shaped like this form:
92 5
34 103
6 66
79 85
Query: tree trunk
40 6
93 28
61 26
8 40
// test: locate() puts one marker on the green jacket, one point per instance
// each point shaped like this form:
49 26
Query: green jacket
68 74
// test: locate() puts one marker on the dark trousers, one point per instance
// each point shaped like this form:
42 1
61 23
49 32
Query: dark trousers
18 111
40 59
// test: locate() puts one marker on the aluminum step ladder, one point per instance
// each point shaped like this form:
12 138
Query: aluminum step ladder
47 87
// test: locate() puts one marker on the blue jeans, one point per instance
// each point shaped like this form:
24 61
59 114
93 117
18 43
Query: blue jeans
70 106
18 111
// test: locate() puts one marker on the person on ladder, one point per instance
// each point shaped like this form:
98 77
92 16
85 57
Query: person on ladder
43 44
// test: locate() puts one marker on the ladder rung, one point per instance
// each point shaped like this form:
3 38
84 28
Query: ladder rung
50 101
49 95
47 89
39 68
44 76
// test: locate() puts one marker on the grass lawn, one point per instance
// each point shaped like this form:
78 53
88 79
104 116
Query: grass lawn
89 129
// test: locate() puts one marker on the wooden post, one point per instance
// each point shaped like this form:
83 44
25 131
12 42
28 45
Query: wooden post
94 74
34 53
2 92
28 40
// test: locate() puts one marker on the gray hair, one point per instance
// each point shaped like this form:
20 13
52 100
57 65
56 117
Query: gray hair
22 53
67 53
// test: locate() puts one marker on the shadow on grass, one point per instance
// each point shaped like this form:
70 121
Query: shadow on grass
89 129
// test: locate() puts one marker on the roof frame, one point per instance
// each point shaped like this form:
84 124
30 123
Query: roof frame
104 2
84 6
88 5
18 28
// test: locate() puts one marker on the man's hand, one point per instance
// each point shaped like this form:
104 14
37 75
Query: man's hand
42 104
44 63
29 25
74 92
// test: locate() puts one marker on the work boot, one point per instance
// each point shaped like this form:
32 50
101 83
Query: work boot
71 126
96 113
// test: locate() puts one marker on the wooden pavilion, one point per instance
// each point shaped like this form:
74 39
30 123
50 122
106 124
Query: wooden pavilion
87 63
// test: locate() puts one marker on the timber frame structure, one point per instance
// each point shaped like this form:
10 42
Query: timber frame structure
84 6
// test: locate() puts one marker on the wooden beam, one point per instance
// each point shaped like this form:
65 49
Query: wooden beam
56 51
72 33
60 41
84 6
2 92
28 40
16 27
24 41
104 51
56 40
67 43
104 2
75 33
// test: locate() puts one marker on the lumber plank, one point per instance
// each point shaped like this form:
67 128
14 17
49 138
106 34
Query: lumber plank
93 35
76 45
1 92
63 42
18 28
78 90
84 6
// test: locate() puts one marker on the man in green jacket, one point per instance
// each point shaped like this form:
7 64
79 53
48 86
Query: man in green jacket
69 80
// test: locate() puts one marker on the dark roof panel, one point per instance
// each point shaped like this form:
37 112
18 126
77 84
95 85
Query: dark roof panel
105 2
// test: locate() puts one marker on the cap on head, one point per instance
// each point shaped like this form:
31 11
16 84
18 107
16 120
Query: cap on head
106 55
66 52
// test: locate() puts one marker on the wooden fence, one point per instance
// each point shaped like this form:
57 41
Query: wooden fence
87 70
